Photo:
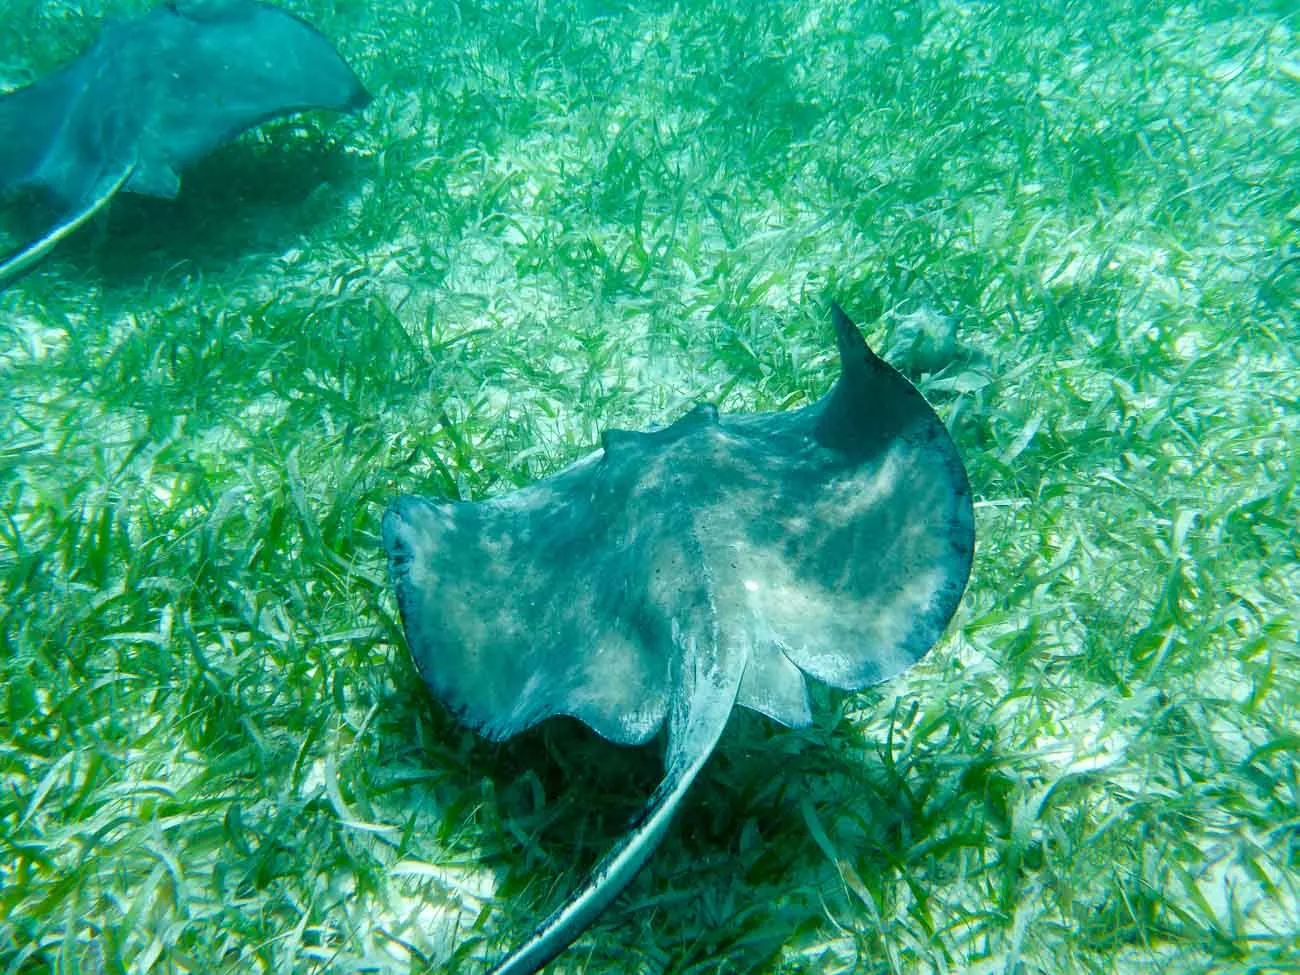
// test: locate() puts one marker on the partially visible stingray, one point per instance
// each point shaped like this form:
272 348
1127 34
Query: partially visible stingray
154 95
673 575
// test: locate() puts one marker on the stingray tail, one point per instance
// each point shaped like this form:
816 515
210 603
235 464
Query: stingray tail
19 262
693 732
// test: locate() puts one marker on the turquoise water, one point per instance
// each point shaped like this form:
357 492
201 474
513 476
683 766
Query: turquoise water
1073 225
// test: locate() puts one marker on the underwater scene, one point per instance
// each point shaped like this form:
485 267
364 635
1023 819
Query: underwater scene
673 487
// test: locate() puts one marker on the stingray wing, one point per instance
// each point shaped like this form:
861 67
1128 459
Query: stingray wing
220 68
30 119
515 611
851 554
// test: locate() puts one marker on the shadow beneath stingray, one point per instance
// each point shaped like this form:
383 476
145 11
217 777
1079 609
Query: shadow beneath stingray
253 196
740 874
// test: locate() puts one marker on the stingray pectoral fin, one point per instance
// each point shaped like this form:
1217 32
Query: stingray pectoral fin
695 726
160 180
19 262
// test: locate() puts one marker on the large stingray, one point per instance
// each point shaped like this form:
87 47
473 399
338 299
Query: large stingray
673 575
152 96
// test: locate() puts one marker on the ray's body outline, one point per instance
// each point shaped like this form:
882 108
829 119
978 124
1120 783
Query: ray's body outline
879 443
151 96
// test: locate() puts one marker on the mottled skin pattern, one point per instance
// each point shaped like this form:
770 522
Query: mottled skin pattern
153 95
674 574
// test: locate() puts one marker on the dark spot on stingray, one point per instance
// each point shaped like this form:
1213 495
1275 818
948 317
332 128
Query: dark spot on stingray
661 581
152 96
